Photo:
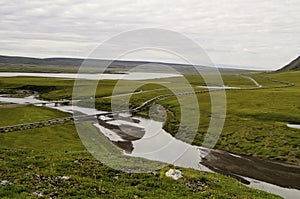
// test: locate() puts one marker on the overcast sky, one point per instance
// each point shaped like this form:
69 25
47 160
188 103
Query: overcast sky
246 33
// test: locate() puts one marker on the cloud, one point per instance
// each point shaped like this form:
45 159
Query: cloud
258 33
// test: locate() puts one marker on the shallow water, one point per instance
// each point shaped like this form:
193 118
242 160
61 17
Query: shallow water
127 76
159 145
25 100
295 126
71 109
271 188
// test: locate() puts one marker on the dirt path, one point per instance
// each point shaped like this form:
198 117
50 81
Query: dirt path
135 93
253 80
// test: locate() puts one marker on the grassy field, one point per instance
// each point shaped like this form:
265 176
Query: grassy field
255 125
35 161
24 116
255 121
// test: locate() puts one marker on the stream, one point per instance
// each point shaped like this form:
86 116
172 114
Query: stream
157 144
294 126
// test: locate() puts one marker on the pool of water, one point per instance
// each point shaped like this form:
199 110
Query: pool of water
294 126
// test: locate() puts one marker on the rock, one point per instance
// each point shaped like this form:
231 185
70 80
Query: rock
174 173
5 183
116 177
38 194
63 178
53 194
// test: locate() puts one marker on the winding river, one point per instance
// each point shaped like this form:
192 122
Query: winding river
156 138
260 177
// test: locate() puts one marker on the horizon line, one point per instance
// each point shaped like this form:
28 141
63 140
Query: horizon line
220 66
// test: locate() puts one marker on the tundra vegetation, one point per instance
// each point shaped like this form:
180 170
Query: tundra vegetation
35 160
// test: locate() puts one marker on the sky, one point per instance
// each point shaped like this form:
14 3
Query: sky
261 34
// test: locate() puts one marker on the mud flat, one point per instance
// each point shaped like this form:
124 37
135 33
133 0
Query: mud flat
264 170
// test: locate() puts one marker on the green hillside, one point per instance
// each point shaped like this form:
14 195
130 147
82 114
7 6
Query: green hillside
293 65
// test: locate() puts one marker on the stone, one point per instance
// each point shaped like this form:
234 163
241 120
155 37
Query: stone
63 177
38 194
174 174
5 183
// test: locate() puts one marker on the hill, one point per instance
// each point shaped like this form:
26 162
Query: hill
15 60
29 64
293 65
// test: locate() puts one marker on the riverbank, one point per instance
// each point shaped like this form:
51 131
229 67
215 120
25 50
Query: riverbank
268 171
35 160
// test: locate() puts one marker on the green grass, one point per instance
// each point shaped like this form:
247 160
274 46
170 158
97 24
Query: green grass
255 121
34 159
34 171
20 115
255 125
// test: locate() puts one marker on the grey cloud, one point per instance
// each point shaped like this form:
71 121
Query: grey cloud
260 33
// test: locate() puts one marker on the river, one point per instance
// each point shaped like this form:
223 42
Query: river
153 145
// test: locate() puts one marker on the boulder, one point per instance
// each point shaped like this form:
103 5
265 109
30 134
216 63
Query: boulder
174 173
5 183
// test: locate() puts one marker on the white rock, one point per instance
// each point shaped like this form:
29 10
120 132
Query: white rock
174 173
38 194
63 177
5 183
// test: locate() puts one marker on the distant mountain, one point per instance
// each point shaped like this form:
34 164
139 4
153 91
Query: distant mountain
10 62
29 64
294 65
14 60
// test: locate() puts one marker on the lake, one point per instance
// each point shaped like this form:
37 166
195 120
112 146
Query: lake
127 76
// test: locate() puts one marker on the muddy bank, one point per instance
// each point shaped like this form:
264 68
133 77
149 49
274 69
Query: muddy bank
125 131
264 170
